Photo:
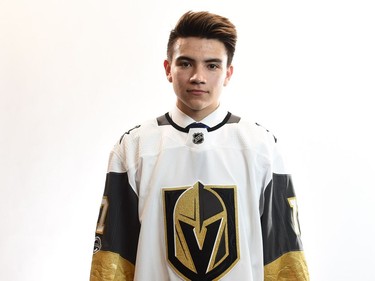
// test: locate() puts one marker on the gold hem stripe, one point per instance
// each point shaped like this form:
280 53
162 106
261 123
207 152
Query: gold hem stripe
109 266
289 267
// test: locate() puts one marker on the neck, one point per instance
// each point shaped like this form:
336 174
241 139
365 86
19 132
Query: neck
199 114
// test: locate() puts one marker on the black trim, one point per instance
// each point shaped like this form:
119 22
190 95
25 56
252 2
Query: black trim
229 117
234 119
167 120
275 139
162 120
128 132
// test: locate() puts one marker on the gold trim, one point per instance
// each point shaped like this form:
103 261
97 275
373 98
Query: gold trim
109 266
290 266
294 206
103 214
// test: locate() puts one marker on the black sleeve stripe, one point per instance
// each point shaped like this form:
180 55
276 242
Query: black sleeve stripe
122 226
279 236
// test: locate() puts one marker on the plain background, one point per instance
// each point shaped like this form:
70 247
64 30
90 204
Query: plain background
75 75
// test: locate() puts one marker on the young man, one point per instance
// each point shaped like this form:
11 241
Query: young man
198 193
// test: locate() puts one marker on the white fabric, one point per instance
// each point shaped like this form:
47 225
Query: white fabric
161 157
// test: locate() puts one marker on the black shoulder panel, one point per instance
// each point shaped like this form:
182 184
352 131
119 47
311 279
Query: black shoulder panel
163 120
233 119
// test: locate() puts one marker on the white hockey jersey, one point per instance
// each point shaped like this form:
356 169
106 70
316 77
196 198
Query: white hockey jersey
209 202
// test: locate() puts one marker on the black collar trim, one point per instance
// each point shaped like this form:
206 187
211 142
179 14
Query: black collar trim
167 120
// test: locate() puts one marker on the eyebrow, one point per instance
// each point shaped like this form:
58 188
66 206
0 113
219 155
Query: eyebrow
185 58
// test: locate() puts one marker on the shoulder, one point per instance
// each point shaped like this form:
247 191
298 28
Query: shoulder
268 145
265 131
133 142
255 132
134 133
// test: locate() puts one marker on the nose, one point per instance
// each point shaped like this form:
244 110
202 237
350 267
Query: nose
198 76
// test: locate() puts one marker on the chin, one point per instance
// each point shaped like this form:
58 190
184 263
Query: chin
198 107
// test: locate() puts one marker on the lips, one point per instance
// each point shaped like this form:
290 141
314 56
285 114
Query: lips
197 91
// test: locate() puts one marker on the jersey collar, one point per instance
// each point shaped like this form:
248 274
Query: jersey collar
183 120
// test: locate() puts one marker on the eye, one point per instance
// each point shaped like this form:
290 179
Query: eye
212 66
185 64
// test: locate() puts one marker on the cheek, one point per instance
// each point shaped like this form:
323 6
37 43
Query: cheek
220 81
176 81
179 77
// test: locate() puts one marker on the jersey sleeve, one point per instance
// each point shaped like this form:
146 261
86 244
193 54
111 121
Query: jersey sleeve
118 227
282 246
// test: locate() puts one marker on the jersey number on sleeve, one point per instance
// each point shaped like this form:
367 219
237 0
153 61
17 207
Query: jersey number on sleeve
293 204
102 215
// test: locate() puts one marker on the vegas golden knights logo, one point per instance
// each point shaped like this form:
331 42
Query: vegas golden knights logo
201 230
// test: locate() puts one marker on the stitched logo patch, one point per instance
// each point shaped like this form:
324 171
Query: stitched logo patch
201 230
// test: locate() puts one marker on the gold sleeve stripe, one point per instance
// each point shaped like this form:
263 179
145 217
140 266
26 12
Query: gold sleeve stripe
108 266
289 267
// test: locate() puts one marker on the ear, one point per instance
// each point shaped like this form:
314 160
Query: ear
167 67
229 74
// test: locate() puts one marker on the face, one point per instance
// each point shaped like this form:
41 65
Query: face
198 71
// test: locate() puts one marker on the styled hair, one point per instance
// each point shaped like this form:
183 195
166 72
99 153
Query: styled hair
204 25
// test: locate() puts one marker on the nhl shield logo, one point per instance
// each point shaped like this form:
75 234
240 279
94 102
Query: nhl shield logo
198 138
201 230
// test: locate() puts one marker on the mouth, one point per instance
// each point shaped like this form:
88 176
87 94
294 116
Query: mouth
197 91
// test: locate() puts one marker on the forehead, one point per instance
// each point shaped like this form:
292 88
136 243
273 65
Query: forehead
199 47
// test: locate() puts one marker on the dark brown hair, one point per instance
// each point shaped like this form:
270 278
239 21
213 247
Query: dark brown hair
204 25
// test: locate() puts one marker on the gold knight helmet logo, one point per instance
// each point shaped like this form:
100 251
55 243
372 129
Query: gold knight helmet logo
201 230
